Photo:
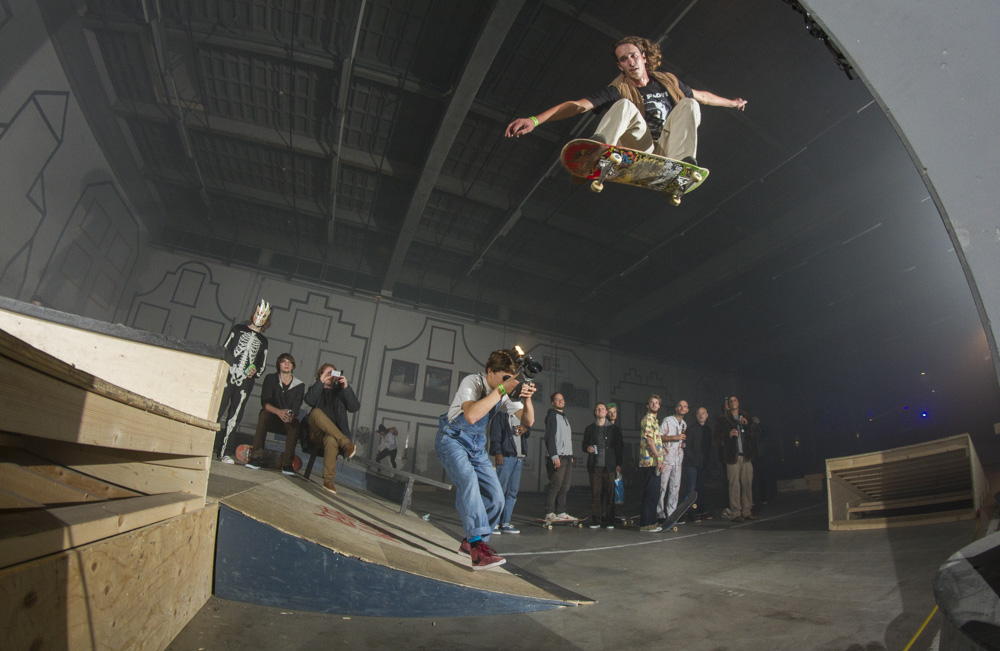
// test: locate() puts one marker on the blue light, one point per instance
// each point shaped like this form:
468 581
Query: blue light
923 414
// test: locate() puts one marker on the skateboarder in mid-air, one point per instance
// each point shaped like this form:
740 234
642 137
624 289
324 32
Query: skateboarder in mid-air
644 109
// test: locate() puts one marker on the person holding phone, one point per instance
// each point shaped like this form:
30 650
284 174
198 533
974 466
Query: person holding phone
331 398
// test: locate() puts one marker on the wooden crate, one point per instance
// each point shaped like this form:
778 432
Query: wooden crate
937 481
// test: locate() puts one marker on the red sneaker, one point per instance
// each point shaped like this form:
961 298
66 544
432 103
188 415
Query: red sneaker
484 556
465 547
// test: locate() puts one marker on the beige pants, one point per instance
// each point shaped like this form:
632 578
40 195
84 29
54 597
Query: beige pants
740 476
333 441
623 125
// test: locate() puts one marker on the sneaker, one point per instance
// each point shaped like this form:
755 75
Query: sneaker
465 547
288 470
509 528
651 528
483 556
227 459
253 464
738 518
608 525
550 516
328 485
349 450
751 517
594 524
565 516
690 160
496 530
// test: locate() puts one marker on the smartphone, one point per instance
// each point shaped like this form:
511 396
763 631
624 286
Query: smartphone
334 373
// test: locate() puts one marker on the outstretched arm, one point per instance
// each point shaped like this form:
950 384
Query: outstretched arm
522 126
711 99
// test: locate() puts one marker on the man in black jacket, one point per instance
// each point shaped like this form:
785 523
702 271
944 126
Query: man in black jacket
331 398
738 440
280 398
602 441
696 455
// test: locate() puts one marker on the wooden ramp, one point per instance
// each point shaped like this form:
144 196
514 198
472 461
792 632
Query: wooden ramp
936 481
105 538
291 544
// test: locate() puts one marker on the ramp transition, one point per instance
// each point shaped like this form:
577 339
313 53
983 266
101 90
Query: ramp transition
290 544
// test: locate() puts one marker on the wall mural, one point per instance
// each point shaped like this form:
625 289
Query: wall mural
29 140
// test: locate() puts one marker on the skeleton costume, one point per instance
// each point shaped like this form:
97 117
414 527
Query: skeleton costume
245 349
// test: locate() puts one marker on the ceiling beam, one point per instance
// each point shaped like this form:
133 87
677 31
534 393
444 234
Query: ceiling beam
487 45
338 116
306 146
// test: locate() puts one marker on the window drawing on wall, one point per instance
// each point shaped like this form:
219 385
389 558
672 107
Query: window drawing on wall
402 380
437 385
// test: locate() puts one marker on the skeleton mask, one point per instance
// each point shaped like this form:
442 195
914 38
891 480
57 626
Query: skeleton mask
261 314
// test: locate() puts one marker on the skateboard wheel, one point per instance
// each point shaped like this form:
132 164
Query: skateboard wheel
596 186
697 177
675 199
616 158
675 529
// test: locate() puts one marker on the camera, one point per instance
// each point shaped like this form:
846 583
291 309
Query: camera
527 366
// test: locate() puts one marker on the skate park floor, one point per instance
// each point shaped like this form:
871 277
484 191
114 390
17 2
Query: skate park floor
783 581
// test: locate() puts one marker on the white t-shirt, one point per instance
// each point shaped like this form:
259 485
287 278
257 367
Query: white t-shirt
474 387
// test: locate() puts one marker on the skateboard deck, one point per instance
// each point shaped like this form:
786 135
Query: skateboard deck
590 159
632 521
689 501
271 458
548 523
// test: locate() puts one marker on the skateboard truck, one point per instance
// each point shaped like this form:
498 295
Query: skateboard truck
683 183
606 167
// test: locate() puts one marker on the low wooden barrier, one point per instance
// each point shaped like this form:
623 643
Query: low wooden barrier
937 481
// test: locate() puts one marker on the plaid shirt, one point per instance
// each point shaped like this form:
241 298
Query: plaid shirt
649 427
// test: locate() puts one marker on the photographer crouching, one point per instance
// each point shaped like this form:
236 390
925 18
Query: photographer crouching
461 446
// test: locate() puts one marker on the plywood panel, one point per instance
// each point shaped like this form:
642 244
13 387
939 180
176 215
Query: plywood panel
133 591
75 415
39 488
142 472
185 381
27 535
63 475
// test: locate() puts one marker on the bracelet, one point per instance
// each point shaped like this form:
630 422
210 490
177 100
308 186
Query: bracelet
503 391
534 119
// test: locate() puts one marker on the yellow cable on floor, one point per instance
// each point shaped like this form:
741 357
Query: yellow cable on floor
934 612
921 629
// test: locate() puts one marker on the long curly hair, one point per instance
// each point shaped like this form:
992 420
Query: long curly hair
647 47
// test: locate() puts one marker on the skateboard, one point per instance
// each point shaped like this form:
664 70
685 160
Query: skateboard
548 523
590 159
689 501
271 459
632 522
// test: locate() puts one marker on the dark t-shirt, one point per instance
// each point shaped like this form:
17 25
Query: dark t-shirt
656 98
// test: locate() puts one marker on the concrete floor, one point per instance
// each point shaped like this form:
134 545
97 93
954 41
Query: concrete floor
782 582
